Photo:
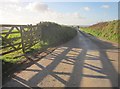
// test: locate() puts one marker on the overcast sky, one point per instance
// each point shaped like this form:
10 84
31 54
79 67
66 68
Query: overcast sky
69 13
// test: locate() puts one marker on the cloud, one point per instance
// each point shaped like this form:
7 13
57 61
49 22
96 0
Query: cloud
10 1
32 13
87 8
105 6
37 6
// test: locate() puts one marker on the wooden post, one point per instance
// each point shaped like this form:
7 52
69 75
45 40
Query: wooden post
22 39
31 36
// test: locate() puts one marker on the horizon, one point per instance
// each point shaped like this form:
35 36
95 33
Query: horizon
67 13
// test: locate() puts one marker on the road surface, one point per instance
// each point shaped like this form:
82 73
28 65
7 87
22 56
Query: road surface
84 61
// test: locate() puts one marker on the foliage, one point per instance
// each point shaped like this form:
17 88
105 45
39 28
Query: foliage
50 34
53 33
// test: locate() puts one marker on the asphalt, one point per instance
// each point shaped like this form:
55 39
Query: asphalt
84 61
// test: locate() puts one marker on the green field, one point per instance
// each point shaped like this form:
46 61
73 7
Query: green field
106 30
12 57
52 33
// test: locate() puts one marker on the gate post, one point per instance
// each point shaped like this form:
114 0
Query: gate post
22 37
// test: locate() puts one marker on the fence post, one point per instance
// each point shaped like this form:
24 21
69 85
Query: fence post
22 37
31 37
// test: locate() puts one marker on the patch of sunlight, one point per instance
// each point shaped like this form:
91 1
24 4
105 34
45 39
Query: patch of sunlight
59 50
44 62
95 82
26 75
74 52
64 67
51 81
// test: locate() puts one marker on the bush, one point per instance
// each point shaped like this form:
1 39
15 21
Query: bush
53 33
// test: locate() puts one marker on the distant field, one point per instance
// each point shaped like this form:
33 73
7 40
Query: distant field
107 30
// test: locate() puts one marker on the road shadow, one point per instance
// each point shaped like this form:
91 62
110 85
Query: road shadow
107 67
65 66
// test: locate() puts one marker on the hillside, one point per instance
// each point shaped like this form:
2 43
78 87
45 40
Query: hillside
107 30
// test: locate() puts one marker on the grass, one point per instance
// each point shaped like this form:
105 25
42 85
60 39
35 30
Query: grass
106 30
12 57
51 33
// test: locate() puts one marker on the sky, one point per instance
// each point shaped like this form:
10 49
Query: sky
67 13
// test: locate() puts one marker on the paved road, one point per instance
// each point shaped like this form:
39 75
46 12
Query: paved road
85 61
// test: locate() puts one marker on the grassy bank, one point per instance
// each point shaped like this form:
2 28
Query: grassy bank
106 30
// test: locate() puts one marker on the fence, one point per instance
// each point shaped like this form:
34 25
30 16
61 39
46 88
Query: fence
21 39
18 37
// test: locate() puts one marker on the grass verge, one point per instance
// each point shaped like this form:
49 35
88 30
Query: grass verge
106 30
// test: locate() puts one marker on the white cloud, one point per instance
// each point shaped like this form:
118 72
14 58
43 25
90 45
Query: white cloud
37 6
15 1
32 13
105 6
87 8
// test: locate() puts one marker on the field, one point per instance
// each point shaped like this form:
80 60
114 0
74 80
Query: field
14 39
49 34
